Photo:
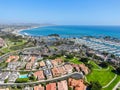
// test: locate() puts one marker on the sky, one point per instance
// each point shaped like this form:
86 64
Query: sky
63 12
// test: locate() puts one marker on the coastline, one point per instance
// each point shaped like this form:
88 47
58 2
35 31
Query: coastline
17 32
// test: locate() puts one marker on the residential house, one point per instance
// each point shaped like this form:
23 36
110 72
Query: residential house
48 73
39 87
68 68
39 75
62 85
77 84
55 72
51 86
84 69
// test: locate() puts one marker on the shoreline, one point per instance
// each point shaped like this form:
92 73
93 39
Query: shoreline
17 32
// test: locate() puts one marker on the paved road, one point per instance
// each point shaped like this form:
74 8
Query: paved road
77 74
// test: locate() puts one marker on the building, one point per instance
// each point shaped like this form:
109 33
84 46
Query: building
13 76
51 86
39 75
54 62
62 70
68 68
4 76
49 64
84 69
77 84
42 64
59 60
4 89
55 72
13 65
39 87
33 58
76 67
28 88
29 66
48 73
12 58
62 85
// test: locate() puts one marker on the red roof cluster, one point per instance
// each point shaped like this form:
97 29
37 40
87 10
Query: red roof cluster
77 84
12 58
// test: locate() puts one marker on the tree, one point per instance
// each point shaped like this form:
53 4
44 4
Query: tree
32 77
84 60
6 80
90 66
21 80
118 70
95 86
70 56
104 64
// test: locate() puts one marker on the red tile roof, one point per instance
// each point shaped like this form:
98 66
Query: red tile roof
77 84
62 70
84 68
42 64
39 87
62 85
12 58
39 75
51 86
55 72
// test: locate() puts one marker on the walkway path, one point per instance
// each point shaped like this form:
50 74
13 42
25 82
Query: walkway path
116 86
110 81
102 69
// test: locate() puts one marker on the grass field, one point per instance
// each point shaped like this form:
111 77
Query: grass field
10 45
112 85
75 61
104 76
72 60
95 66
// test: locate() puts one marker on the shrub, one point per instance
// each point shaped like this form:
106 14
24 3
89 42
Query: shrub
22 80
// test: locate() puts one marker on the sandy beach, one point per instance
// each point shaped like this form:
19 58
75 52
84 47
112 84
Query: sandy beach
17 32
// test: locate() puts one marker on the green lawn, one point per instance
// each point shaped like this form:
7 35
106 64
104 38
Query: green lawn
11 45
103 76
112 85
95 66
75 61
72 60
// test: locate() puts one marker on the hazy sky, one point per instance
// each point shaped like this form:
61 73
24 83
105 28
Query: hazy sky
88 12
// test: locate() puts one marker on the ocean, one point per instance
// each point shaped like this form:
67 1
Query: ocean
75 31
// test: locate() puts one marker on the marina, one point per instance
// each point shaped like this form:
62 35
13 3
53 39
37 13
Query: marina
101 45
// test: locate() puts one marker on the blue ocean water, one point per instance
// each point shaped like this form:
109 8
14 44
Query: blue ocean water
113 31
